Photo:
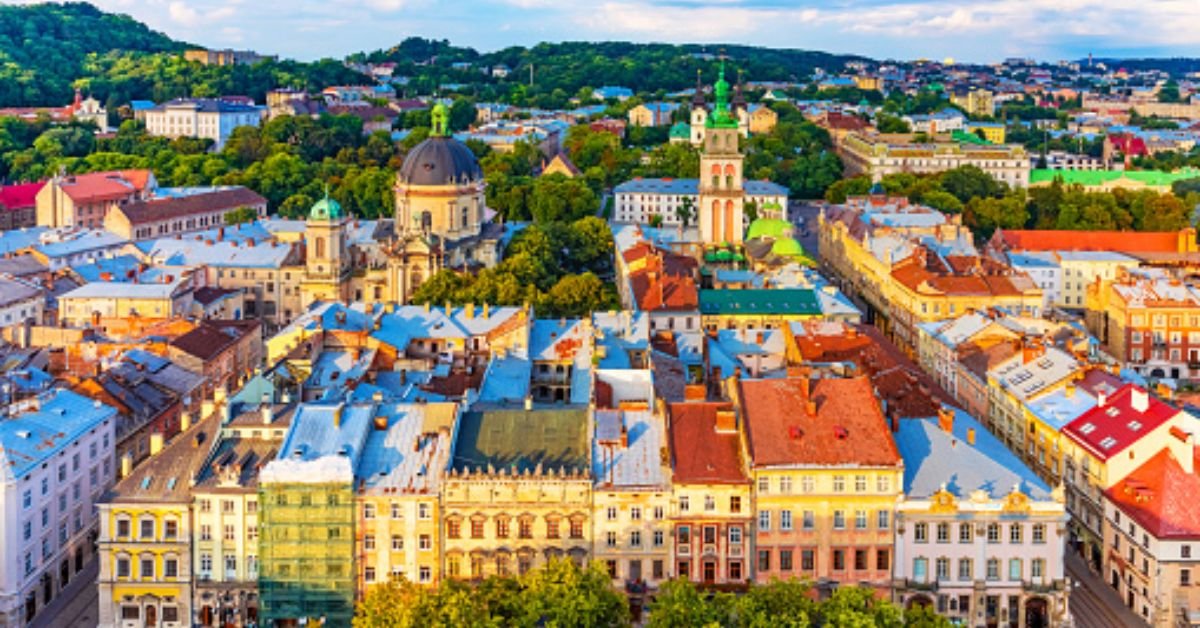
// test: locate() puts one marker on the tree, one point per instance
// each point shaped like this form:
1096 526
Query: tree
462 114
393 604
555 198
785 603
942 201
563 594
241 215
751 210
891 124
968 182
685 211
679 604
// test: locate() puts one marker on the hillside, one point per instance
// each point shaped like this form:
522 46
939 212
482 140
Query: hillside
43 47
46 50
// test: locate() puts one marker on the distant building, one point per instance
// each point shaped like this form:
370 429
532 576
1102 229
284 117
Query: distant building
83 200
18 205
652 114
976 102
203 118
168 216
226 57
610 92
879 156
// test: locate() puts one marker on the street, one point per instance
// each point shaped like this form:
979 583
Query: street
77 606
803 215
1093 603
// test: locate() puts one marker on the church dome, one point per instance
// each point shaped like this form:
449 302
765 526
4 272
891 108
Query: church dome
788 247
440 160
325 209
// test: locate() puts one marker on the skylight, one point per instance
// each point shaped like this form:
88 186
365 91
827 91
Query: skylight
1087 428
1108 442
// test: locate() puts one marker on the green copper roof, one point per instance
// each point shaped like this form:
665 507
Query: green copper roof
325 209
721 117
788 247
519 439
966 137
792 301
681 129
439 121
1153 178
769 228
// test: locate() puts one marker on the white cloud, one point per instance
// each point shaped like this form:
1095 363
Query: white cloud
185 15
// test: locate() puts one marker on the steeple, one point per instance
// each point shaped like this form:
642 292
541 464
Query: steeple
739 100
721 118
439 120
698 97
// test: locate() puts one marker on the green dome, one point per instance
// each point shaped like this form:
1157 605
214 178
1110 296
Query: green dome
769 228
788 247
681 129
325 209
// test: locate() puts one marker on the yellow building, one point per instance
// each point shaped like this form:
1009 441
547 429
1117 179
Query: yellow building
397 534
867 82
631 496
976 102
146 532
518 493
994 132
761 119
826 477
99 301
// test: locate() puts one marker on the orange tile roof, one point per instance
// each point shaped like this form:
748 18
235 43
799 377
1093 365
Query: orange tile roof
699 454
1117 241
843 424
1161 497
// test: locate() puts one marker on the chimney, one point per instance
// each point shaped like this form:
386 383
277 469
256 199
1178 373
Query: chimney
971 436
469 310
694 392
946 419
337 416
1069 390
1140 400
220 393
624 435
528 403
266 413
726 422
185 421
156 443
220 234
126 464
1101 399
486 309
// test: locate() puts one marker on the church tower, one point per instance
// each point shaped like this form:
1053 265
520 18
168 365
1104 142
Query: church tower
327 261
721 191
699 113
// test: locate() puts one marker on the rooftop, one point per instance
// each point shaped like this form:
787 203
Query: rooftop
1161 496
627 450
787 301
36 435
700 452
168 476
523 440
1118 420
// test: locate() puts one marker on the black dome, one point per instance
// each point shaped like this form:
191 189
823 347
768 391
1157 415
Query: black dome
440 161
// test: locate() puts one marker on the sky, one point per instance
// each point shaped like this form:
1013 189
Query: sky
965 30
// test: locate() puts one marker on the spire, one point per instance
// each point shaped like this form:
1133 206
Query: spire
439 120
698 97
721 117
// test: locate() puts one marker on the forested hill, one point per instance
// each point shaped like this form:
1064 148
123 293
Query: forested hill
43 47
571 66
47 50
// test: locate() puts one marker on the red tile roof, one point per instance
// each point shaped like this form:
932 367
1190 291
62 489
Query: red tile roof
699 454
925 272
842 426
1117 241
142 212
1107 430
105 186
1161 497
1131 145
20 196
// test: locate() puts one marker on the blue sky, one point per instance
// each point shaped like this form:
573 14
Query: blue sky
969 30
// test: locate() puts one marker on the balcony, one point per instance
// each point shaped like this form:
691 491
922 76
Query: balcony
913 585
1043 587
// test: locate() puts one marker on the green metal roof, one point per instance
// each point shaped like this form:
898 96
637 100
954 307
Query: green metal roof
1153 178
522 439
968 138
769 227
793 301
681 129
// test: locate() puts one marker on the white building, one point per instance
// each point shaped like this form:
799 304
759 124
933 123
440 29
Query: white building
979 537
19 301
56 460
204 118
639 199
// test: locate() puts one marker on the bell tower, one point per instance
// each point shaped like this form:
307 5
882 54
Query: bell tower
722 195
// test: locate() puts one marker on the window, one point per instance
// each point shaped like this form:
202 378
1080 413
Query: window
170 529
502 528
735 504
229 533
525 528
993 533
611 513
785 560
658 538
146 529
839 484
785 520
965 533
764 560
397 543
966 571
860 560
860 520
369 541
1037 568
122 528
171 567
635 514
1015 533
477 528
839 520
122 566
395 507
993 569
808 484
735 535
1039 533
577 528
1014 569
1185 577
424 511
658 510
710 504
764 520
764 485
882 560
684 535
884 519
146 568
424 543
839 560
205 532
942 566
635 538
943 532
785 485
425 574
808 520
368 511
369 574
860 484
683 503
808 560
921 532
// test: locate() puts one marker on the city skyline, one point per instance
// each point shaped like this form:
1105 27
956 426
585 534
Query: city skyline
881 29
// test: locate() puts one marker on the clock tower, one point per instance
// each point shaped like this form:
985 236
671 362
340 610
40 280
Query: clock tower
721 192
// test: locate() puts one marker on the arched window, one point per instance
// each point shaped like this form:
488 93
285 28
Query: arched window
716 169
730 170
466 217
320 247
